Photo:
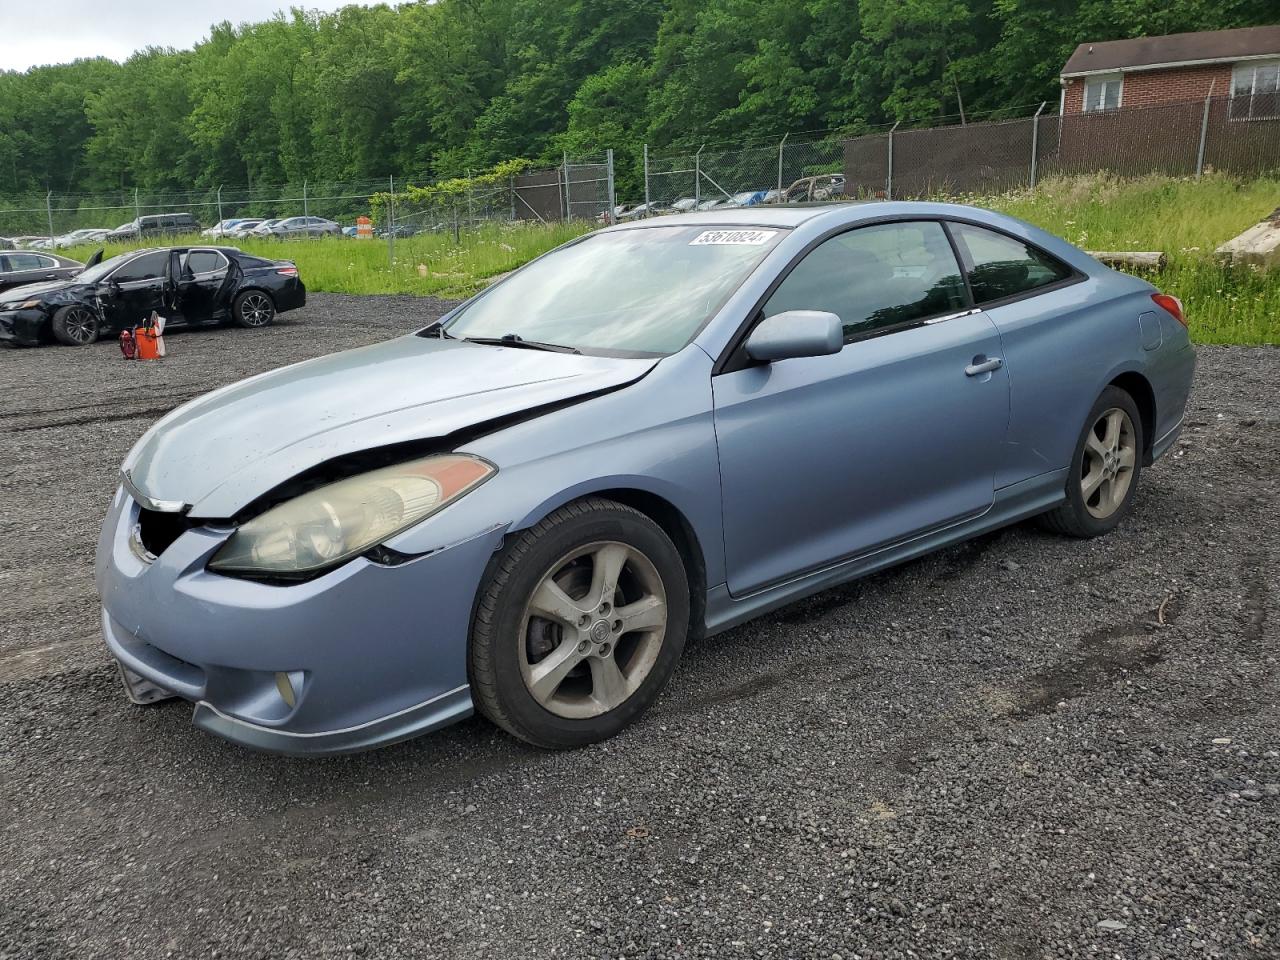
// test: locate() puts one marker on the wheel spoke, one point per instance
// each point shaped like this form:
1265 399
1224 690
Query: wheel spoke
646 613
552 603
1126 458
1094 445
1112 434
548 673
1092 482
607 562
609 686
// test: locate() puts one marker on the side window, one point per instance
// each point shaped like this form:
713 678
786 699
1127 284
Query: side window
27 261
204 261
1002 266
877 277
148 267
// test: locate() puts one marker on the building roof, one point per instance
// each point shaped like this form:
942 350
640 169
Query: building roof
1176 49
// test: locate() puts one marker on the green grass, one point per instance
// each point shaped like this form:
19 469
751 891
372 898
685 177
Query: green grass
1185 218
425 265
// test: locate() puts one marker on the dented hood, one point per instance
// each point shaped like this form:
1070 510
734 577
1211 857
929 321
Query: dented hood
223 450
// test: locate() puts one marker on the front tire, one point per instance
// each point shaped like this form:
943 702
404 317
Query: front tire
253 308
1104 471
75 326
580 625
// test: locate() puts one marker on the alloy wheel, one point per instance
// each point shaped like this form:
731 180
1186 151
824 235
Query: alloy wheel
592 629
80 325
1110 453
256 310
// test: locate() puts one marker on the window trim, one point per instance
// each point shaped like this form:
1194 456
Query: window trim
1251 66
226 262
734 357
1116 76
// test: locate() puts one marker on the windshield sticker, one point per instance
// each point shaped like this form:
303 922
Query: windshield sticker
751 238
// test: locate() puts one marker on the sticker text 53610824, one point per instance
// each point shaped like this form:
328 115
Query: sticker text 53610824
751 238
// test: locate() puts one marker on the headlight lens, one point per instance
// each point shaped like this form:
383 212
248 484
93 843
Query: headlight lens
335 522
25 305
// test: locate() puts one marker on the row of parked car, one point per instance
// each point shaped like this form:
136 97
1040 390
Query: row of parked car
174 224
828 186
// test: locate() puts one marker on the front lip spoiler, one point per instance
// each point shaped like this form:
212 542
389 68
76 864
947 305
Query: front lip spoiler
159 506
440 711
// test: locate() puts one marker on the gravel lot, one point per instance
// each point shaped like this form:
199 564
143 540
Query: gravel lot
1022 747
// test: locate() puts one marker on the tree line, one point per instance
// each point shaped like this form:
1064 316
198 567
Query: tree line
441 88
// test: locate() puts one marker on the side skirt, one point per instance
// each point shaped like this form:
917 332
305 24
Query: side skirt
1013 503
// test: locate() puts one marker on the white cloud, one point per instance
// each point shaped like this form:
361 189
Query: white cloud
65 30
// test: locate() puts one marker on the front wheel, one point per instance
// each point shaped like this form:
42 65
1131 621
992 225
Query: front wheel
1104 471
579 626
253 308
75 326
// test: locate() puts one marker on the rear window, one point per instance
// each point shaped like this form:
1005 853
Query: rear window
1001 266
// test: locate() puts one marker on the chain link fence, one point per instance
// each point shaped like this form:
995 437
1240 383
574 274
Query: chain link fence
579 189
984 158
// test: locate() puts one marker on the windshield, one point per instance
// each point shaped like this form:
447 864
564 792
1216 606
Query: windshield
645 291
96 273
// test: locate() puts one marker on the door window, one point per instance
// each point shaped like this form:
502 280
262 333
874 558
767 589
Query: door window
1002 266
28 261
150 266
876 278
204 261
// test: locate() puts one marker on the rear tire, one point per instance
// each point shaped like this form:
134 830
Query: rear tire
1104 470
75 326
253 309
579 626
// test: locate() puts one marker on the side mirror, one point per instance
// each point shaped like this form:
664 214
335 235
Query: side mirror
795 333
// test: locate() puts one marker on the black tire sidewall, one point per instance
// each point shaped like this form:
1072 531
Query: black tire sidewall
59 333
523 713
237 309
1089 524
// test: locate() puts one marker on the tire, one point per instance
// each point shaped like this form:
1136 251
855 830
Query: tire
75 325
1093 509
582 697
253 309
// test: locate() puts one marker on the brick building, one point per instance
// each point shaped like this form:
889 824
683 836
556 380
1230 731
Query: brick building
1241 64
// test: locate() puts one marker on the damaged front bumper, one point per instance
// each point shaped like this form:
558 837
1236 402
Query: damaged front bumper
24 328
362 656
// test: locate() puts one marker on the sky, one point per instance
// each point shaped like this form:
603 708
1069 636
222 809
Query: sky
59 31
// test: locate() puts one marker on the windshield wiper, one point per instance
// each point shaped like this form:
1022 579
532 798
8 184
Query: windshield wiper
515 340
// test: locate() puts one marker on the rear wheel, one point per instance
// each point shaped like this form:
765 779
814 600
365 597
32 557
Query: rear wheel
75 325
1104 471
253 308
580 625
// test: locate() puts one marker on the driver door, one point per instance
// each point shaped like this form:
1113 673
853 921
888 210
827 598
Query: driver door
824 459
135 289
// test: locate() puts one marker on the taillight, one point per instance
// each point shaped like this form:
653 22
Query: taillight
1172 304
292 271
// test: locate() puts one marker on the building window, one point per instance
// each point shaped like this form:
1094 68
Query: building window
1103 92
1255 90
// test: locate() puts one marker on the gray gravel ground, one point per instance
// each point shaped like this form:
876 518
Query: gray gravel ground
1023 747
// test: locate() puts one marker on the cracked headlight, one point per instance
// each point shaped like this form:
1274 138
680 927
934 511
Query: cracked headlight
333 523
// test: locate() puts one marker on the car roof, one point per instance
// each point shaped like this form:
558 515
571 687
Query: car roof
775 215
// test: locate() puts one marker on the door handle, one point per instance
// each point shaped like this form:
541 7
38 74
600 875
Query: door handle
983 366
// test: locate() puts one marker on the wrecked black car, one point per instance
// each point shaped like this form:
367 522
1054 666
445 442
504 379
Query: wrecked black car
186 285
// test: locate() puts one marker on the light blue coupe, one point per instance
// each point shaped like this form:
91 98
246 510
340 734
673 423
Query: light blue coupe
657 431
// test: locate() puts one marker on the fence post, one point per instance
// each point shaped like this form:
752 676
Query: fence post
391 221
608 159
1204 130
137 211
305 211
48 206
471 189
1035 142
888 187
780 146
568 204
697 177
513 198
220 210
646 180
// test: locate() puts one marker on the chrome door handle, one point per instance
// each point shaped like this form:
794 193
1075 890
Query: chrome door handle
983 366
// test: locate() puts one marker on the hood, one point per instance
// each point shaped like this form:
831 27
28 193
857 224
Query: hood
35 291
220 452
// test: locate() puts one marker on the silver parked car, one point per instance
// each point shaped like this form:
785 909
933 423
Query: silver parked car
657 430
295 227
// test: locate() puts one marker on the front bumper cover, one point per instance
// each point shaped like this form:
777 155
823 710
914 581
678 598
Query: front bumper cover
22 327
375 654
